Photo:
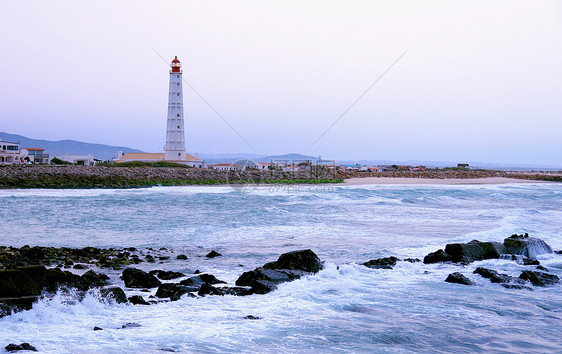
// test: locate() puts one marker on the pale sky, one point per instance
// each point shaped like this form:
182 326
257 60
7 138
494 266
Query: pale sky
482 80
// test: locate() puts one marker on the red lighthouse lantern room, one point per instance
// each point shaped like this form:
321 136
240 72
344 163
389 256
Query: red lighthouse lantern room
176 65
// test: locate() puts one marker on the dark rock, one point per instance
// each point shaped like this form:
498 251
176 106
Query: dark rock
495 277
250 317
382 263
516 286
458 278
131 325
95 279
213 254
79 266
529 247
174 291
136 278
412 260
96 328
236 291
181 256
304 260
207 289
474 251
528 261
542 268
137 300
539 278
210 279
163 258
166 275
437 257
558 252
263 281
149 259
115 293
197 271
22 346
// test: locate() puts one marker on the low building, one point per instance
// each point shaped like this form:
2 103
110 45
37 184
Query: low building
157 157
227 167
462 165
34 155
84 160
9 153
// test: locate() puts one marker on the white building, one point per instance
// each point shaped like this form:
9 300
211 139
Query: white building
85 160
227 167
9 153
34 155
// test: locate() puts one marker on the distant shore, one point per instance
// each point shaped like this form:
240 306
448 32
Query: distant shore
89 177
440 181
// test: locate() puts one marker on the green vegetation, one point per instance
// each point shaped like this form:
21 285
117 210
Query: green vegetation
56 161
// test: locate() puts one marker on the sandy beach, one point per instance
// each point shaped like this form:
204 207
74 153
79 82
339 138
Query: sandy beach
442 181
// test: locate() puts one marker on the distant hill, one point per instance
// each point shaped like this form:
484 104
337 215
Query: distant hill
287 157
71 147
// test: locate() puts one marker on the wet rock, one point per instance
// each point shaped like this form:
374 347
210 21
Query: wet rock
166 275
288 267
305 260
136 278
23 346
524 245
251 317
542 268
131 325
163 258
115 293
207 289
528 261
236 290
458 278
174 291
539 278
412 260
382 263
201 279
437 257
517 286
263 281
474 251
138 300
149 259
181 256
495 277
94 279
96 328
79 266
213 254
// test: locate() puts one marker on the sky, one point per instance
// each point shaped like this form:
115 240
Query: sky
479 80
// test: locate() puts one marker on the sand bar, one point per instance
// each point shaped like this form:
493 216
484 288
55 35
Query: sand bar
445 181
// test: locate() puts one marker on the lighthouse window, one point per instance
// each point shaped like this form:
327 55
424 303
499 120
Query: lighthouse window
178 83
178 76
178 126
178 93
178 114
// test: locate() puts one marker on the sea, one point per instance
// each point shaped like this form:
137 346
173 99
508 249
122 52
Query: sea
346 307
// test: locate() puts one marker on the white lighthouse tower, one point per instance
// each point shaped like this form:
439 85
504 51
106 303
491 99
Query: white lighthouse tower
175 135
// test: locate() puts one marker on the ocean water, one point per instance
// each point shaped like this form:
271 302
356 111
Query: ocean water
344 308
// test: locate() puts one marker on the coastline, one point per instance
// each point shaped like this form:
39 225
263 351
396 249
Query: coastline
434 181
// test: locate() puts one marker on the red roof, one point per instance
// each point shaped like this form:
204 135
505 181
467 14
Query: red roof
35 149
175 60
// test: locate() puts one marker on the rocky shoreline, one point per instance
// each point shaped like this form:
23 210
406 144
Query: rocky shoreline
28 273
50 176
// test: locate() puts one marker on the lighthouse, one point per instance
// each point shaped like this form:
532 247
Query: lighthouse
175 134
